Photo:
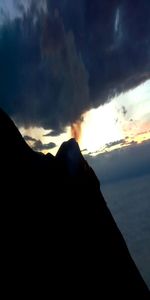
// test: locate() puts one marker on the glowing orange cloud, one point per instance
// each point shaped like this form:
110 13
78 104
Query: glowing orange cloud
76 129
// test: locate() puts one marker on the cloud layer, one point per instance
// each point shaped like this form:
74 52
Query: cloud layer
38 145
60 58
125 163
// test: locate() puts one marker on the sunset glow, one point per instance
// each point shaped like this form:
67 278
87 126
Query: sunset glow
125 117
100 128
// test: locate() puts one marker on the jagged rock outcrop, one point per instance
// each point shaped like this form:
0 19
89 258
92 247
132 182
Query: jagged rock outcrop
58 235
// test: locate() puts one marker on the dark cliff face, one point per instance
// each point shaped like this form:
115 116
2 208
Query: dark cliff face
58 236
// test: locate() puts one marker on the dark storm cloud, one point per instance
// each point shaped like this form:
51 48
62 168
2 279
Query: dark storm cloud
38 146
57 64
54 133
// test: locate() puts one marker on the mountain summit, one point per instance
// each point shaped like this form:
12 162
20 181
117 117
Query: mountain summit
59 238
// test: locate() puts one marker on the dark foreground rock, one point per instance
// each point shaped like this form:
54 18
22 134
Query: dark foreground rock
58 237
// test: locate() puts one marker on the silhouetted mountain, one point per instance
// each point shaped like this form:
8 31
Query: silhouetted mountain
58 236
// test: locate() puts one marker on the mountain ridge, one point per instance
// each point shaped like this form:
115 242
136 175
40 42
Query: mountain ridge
58 233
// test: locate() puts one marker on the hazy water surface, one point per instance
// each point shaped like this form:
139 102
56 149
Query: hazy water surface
129 202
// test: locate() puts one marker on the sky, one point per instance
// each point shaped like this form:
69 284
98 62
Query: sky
124 120
76 68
